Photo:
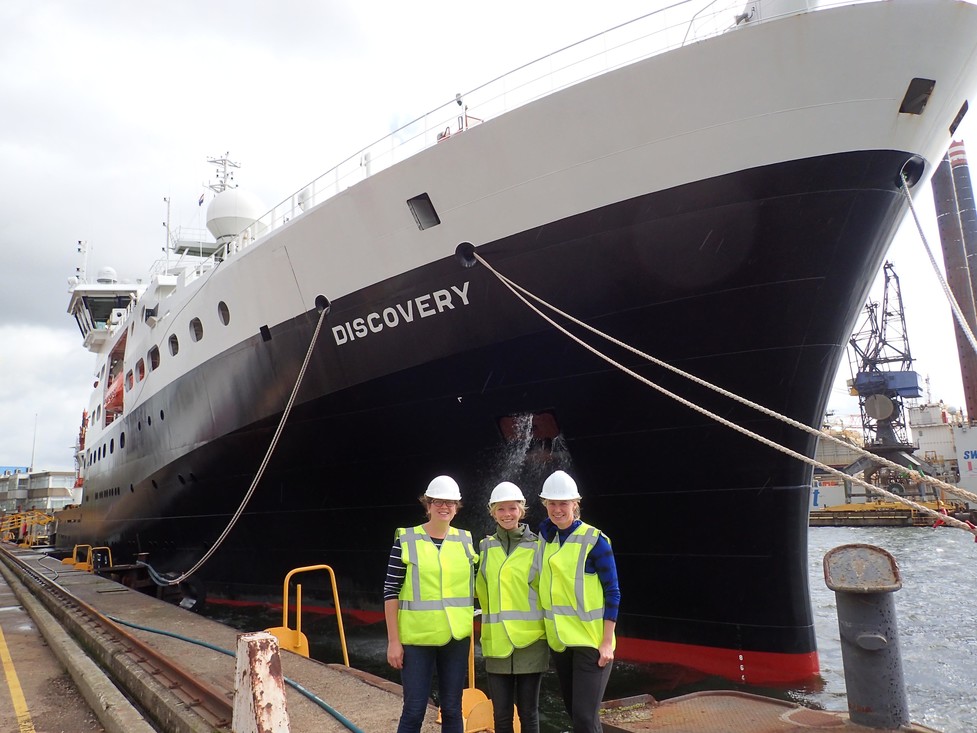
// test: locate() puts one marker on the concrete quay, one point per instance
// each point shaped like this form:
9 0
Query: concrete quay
363 703
370 704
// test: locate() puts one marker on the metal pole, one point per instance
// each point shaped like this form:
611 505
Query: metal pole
864 578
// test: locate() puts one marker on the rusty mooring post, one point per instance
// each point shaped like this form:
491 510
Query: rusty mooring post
259 687
864 578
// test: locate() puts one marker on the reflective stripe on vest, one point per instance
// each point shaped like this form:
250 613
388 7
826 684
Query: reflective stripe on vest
511 616
436 601
572 600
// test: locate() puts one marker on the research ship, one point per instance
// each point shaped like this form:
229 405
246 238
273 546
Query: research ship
713 185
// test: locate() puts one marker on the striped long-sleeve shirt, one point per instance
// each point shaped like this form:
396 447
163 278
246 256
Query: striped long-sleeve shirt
397 570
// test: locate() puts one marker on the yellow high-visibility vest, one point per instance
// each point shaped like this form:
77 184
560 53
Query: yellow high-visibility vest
436 602
572 600
504 584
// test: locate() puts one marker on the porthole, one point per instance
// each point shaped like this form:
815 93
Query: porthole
129 380
223 313
122 440
153 358
174 345
112 446
196 329
149 421
161 415
140 370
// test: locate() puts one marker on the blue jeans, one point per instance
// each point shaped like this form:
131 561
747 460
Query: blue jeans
521 690
420 663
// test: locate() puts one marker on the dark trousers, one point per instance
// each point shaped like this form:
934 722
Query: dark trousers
582 685
420 663
521 690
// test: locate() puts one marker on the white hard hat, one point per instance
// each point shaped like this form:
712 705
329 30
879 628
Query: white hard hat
443 487
560 487
506 491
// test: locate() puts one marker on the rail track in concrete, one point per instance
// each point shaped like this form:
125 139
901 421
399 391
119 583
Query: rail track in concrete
165 693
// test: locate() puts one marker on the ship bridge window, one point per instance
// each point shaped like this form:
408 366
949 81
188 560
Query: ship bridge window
101 307
174 345
423 211
223 313
196 329
153 358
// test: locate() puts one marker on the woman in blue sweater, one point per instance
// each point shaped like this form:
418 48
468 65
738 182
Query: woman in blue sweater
576 564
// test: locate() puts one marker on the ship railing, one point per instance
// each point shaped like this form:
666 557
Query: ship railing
678 24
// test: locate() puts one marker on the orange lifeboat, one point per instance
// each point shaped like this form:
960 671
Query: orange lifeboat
113 396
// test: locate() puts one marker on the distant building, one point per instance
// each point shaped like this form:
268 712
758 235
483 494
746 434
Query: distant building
933 429
828 489
940 436
21 490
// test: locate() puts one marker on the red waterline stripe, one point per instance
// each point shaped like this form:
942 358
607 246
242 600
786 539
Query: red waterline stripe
745 667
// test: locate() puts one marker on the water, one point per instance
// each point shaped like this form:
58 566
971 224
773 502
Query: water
937 621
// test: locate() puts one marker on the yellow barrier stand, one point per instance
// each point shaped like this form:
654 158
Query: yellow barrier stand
476 707
74 560
293 639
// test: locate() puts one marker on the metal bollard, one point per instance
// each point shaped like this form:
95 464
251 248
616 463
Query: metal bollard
863 578
259 687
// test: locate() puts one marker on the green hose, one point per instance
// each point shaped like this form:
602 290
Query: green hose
292 683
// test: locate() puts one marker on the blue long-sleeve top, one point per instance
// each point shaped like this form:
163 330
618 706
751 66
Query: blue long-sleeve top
600 561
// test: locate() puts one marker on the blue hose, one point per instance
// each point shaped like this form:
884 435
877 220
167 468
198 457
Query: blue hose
292 683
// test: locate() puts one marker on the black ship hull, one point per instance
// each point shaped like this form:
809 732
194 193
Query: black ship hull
750 280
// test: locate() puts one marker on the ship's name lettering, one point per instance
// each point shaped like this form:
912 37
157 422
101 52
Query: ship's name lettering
969 455
423 306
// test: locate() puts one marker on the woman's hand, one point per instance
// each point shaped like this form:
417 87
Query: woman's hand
395 654
606 650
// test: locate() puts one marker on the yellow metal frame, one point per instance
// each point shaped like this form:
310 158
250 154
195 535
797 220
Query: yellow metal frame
86 561
293 639
29 521
73 560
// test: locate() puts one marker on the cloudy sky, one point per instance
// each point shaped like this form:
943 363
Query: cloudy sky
110 106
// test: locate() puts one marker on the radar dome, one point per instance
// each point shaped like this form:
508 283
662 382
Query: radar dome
107 275
231 212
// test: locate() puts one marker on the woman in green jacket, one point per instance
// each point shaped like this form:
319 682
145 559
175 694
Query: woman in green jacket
513 637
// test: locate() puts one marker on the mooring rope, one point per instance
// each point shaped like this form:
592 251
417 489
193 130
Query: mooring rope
162 580
523 295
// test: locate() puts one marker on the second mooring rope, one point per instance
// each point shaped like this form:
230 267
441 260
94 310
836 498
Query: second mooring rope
524 295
